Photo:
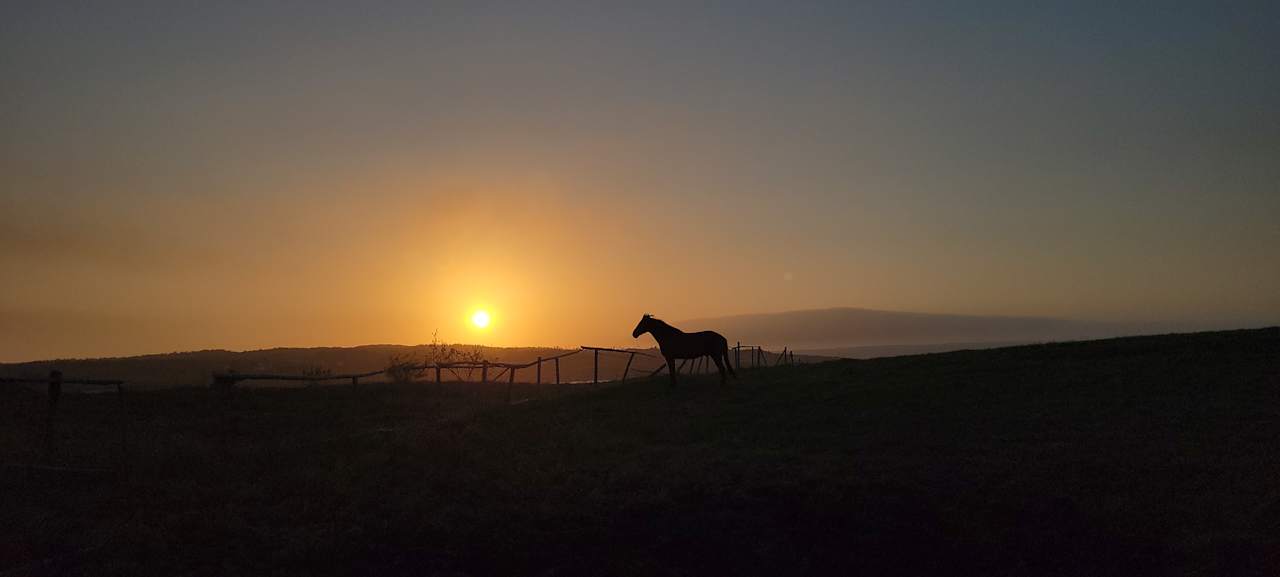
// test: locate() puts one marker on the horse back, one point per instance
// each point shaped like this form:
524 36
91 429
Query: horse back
712 338
692 345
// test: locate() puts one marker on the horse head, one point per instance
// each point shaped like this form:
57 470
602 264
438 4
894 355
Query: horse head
643 326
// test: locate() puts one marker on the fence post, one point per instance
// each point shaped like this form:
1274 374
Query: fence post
511 379
484 372
437 373
628 369
124 428
355 382
538 379
55 394
557 370
595 371
224 384
737 356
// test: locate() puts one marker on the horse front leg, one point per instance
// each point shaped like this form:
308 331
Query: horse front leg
671 370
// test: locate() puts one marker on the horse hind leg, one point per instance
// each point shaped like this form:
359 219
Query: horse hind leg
720 366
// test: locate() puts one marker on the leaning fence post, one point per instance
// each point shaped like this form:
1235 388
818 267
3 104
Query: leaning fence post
628 369
511 379
538 379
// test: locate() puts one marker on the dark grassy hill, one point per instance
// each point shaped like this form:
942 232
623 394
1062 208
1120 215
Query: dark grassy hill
1147 455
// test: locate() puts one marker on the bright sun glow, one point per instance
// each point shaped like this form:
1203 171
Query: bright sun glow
480 319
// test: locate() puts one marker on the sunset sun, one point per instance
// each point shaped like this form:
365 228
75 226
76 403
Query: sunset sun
480 319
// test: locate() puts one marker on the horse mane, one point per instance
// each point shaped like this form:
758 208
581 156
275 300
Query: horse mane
659 321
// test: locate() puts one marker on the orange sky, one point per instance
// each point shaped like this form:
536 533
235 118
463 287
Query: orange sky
221 178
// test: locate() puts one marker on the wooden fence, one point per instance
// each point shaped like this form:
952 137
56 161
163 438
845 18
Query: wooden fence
226 382
758 357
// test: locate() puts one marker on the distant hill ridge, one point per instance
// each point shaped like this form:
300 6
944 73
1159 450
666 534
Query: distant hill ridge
832 332
835 329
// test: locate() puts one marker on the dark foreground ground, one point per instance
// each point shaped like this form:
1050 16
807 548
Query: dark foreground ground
1151 455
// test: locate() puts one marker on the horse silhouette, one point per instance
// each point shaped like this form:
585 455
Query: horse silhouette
677 344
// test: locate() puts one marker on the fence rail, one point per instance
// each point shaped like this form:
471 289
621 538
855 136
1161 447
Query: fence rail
759 357
31 381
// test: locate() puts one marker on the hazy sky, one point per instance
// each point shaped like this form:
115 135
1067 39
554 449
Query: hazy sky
179 176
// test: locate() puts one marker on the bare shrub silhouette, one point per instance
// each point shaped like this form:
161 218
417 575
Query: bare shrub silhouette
316 373
410 367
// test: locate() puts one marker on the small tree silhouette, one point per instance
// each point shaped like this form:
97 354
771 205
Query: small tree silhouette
316 373
407 368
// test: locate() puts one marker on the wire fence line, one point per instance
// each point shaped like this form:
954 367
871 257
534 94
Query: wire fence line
757 357
226 382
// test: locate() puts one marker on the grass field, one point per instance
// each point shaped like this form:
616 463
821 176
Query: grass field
1148 455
